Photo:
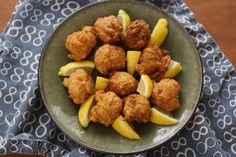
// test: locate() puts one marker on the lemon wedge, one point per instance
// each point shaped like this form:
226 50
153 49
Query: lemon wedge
69 68
145 86
173 69
132 60
160 118
124 19
83 114
159 33
123 128
101 83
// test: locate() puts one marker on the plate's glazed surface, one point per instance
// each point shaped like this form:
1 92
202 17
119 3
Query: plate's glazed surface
96 136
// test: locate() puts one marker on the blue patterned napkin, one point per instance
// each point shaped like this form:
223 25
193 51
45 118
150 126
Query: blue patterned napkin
25 126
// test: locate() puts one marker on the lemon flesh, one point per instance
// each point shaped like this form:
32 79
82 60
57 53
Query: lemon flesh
124 19
145 86
69 68
132 60
173 69
123 128
160 118
101 83
83 114
159 33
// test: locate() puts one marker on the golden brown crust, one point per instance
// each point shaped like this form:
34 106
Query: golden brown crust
123 84
109 58
108 29
137 35
80 86
81 43
107 109
137 108
153 62
165 94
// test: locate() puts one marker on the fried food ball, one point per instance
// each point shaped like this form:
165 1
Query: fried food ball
109 58
80 86
137 108
108 29
137 35
165 94
153 62
81 43
122 83
108 108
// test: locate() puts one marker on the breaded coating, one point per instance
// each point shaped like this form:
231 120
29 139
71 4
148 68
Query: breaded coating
137 35
137 108
153 62
165 94
109 58
80 86
81 43
122 83
108 108
109 29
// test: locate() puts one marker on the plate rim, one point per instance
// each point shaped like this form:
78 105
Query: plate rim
146 4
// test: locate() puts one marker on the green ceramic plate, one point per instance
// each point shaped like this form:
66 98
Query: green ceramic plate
98 137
